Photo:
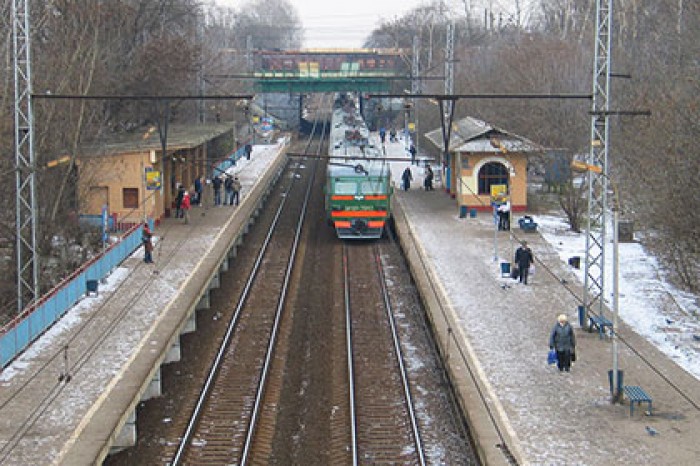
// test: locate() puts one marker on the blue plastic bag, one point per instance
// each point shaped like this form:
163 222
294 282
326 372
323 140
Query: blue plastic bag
552 357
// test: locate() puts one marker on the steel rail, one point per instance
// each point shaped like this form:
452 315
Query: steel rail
351 373
399 356
282 301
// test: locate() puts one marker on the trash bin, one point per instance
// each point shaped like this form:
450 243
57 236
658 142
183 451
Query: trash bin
620 381
505 269
92 286
582 316
462 211
472 213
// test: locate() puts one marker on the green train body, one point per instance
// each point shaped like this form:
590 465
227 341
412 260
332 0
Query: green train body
358 189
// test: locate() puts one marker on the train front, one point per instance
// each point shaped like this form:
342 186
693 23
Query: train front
359 203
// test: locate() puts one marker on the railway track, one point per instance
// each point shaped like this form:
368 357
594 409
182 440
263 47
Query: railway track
225 420
384 428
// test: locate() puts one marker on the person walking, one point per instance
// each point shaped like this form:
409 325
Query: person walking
382 135
563 341
524 258
412 150
428 181
248 150
236 186
147 240
216 184
186 204
406 178
228 188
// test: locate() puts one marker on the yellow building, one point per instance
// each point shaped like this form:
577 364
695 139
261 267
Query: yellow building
130 175
484 163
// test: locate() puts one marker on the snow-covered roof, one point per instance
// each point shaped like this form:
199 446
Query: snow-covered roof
473 135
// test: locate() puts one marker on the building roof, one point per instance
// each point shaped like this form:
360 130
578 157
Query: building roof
473 135
146 139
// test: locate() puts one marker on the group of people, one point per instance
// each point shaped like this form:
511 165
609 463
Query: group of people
393 136
232 189
407 177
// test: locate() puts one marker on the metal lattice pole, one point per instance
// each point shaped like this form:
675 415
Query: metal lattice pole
27 255
594 284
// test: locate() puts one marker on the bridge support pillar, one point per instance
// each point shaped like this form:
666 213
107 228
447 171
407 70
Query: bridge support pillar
203 302
154 387
215 281
174 353
127 436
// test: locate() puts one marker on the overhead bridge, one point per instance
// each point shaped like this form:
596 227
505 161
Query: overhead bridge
309 71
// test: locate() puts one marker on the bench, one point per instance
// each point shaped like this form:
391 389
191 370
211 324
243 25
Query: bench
598 322
636 395
527 224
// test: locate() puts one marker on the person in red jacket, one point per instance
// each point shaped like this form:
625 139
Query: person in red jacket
186 204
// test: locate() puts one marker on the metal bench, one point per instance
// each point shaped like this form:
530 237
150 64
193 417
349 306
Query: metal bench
598 322
527 224
637 395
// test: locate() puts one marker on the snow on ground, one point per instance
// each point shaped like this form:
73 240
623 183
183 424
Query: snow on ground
655 309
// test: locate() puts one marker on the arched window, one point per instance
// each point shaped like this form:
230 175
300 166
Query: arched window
490 174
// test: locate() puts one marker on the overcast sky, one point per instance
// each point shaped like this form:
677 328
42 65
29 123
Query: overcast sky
333 23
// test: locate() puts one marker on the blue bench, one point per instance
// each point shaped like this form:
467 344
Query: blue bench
637 395
598 322
527 224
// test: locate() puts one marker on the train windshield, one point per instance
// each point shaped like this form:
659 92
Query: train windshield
372 187
345 187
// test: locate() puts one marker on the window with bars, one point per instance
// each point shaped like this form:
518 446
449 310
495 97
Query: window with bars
490 174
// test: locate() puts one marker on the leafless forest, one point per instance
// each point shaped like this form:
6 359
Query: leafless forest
137 47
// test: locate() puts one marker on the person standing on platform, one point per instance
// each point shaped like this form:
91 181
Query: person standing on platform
248 150
186 204
228 191
382 135
504 216
392 135
412 150
428 181
216 184
178 201
563 341
524 259
406 178
236 186
147 240
197 191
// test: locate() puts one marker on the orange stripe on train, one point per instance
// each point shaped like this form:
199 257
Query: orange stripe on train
358 213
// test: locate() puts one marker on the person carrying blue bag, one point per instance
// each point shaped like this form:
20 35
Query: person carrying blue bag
563 341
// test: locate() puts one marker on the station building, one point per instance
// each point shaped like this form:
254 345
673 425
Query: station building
131 176
485 163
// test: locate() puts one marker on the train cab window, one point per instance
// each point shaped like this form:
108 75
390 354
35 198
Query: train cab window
345 187
372 187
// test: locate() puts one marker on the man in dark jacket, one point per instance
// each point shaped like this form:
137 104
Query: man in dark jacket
563 340
524 258
216 184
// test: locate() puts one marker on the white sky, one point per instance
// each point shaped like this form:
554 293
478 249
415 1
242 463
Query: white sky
336 24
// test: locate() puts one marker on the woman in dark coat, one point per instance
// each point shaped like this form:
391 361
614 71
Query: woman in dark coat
563 340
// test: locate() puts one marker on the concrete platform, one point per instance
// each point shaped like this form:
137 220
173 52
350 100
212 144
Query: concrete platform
494 333
116 342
